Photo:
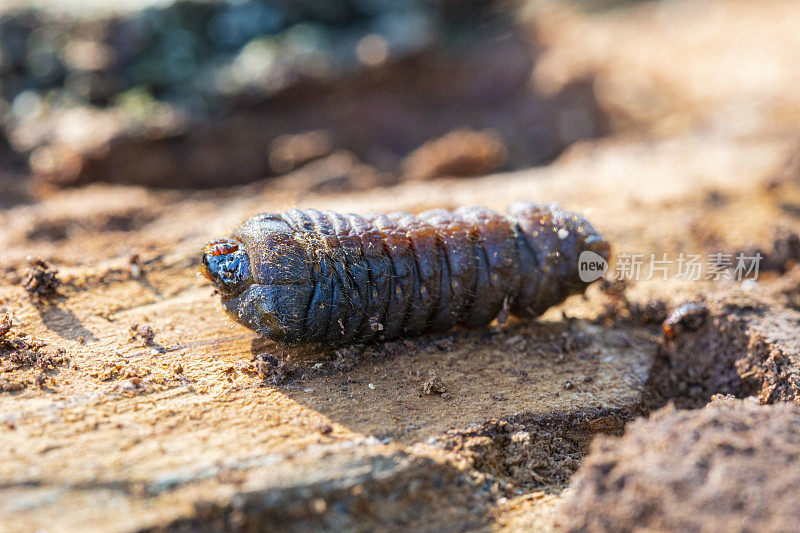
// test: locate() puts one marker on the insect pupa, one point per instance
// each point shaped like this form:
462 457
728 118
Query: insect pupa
308 276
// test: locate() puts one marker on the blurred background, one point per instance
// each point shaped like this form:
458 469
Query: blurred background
206 94
342 95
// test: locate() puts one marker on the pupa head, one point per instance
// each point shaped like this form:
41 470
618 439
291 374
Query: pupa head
227 266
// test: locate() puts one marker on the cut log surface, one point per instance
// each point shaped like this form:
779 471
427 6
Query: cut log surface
199 424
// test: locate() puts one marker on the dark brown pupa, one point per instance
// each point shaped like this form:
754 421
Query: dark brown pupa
307 276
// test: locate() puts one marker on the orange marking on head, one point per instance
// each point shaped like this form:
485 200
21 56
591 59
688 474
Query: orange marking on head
220 247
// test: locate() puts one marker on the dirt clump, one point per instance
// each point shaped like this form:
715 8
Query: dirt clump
25 359
22 351
433 384
145 332
730 466
736 344
41 280
5 324
459 153
273 371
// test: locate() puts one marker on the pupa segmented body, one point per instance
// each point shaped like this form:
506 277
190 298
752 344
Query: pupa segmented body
322 277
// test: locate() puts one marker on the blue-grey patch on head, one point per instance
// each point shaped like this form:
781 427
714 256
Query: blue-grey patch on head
228 268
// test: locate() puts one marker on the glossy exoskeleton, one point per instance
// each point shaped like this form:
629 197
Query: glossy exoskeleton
323 277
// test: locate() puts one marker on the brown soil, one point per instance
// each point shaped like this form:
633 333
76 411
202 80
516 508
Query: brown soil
731 466
742 345
535 451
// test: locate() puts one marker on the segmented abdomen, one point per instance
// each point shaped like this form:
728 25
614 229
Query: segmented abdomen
383 276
